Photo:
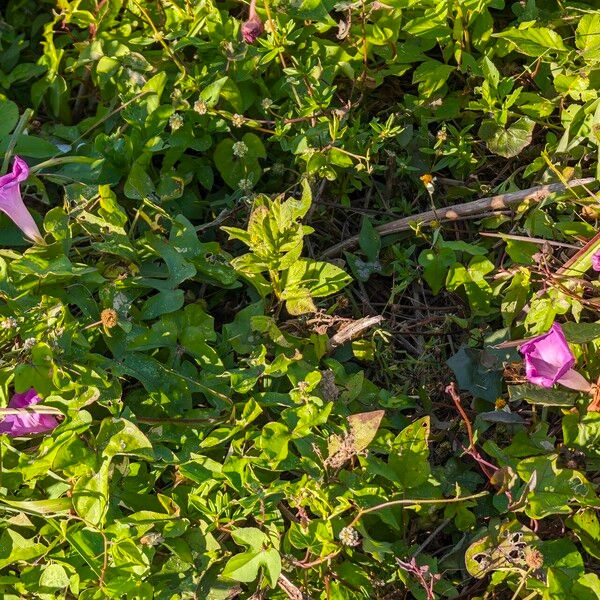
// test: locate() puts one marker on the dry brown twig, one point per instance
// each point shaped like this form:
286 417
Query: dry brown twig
353 330
456 212
290 590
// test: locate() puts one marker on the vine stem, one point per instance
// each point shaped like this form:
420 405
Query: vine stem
521 585
23 121
182 421
414 501
158 36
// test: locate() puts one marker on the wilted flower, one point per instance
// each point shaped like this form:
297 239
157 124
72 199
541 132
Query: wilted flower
349 536
26 423
175 121
253 27
596 261
239 149
428 181
534 559
237 120
109 318
548 360
11 202
200 107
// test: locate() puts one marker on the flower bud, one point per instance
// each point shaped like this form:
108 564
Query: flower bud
253 27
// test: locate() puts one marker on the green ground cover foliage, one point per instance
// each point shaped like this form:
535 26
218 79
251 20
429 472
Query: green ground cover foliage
187 321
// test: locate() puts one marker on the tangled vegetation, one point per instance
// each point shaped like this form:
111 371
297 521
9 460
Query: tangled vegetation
299 299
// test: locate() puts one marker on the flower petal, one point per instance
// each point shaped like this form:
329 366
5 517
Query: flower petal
19 173
26 423
547 357
11 202
21 400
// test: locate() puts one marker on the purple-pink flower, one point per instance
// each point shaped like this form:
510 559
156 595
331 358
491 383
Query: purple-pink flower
596 261
253 27
26 423
548 357
11 202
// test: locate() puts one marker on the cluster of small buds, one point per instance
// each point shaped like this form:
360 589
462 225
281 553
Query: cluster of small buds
349 536
246 184
237 120
8 323
266 103
240 149
175 121
441 135
278 168
201 107
29 343
178 101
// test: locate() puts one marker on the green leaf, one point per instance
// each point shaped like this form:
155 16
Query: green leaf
581 333
15 548
138 184
435 263
273 441
10 115
542 396
119 436
410 453
234 169
555 488
431 76
535 41
477 372
90 496
244 567
583 433
586 525
587 36
510 141
162 303
369 240
54 577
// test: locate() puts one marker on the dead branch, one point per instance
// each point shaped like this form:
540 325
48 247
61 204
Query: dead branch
290 589
352 331
465 210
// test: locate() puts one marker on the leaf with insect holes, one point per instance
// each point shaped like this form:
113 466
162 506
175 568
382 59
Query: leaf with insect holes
500 548
364 427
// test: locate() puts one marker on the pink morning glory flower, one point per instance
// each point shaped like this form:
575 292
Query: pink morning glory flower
11 202
26 423
549 360
253 27
547 357
596 261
